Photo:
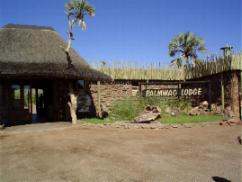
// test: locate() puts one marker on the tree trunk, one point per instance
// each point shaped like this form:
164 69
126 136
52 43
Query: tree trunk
73 106
70 34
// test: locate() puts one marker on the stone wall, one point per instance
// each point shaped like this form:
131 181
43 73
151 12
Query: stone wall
118 91
109 93
232 88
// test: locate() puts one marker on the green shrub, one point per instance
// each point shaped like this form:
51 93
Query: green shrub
129 108
125 110
183 105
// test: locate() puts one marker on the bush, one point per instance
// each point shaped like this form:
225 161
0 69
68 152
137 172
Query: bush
183 105
125 110
129 108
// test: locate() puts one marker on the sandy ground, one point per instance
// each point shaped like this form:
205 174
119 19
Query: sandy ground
67 153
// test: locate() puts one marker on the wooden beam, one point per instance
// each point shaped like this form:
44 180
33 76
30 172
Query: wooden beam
99 100
131 89
209 95
222 90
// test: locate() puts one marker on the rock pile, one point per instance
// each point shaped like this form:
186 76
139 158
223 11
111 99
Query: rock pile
150 113
228 113
202 109
157 125
172 111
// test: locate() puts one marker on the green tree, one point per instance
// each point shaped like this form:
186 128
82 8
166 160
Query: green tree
76 11
185 48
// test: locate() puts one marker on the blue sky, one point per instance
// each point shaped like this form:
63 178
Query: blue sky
135 31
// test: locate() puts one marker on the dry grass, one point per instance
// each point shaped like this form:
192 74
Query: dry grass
214 66
155 72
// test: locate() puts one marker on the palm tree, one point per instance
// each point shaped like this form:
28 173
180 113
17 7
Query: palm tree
185 47
76 10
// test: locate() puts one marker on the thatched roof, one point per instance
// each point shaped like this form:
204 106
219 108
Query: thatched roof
38 51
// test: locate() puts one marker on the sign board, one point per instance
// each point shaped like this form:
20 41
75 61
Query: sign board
172 92
189 89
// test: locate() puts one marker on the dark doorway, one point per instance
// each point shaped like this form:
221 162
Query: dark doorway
28 102
39 113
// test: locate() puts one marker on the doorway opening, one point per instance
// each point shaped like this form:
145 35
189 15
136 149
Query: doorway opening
38 105
28 103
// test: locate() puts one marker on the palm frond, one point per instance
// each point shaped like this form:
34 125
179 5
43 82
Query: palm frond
186 46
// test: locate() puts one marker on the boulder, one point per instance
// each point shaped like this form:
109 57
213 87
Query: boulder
228 113
194 111
172 111
150 113
204 104
153 109
216 109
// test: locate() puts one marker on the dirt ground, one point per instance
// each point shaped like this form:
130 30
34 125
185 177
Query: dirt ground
67 153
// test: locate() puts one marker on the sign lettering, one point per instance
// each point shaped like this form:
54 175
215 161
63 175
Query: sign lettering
172 92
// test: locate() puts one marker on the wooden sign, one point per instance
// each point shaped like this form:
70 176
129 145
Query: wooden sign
189 89
172 92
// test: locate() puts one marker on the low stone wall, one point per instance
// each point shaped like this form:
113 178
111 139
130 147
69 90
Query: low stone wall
111 92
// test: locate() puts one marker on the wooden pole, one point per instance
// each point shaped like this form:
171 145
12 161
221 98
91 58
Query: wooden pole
240 93
98 99
209 95
222 90
179 90
140 91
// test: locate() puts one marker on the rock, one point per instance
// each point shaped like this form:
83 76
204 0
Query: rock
147 117
194 111
215 109
154 109
228 113
174 126
204 104
172 111
151 113
187 125
135 127
168 110
219 109
148 108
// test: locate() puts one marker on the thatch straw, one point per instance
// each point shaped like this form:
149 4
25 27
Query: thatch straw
214 66
211 66
34 51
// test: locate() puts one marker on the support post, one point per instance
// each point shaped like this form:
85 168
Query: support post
72 104
140 89
240 93
99 100
209 95
179 90
222 90
131 89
